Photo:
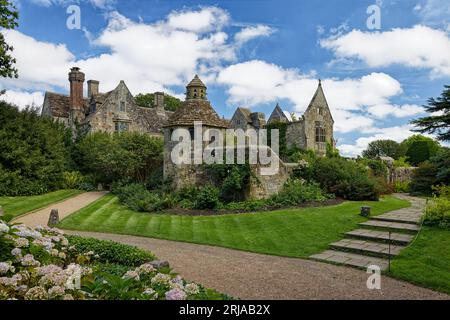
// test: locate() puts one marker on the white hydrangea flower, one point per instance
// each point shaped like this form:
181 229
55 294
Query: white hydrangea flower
192 289
3 228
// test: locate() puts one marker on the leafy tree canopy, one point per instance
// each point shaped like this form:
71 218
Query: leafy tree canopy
34 152
8 20
110 157
439 121
382 148
146 100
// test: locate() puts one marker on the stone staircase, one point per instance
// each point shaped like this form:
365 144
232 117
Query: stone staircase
377 239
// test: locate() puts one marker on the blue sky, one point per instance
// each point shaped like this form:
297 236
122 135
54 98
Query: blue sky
249 53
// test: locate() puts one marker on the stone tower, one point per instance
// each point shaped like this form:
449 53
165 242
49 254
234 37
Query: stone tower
319 123
76 79
194 110
196 89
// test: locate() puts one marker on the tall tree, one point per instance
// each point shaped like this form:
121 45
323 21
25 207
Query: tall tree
382 148
439 121
8 20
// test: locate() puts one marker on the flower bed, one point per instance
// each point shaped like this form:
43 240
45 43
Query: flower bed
43 264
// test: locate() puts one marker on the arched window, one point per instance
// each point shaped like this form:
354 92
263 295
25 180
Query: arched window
320 132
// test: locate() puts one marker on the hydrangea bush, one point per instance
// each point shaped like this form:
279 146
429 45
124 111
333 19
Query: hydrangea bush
41 264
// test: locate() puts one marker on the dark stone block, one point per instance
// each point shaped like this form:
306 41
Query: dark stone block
365 211
53 220
159 264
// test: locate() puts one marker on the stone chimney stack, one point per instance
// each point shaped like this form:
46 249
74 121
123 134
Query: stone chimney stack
258 119
76 79
158 101
92 87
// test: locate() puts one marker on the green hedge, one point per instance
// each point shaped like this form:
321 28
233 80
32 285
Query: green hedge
112 252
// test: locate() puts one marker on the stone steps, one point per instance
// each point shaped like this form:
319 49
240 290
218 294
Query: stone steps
393 226
350 259
380 236
397 218
368 248
369 245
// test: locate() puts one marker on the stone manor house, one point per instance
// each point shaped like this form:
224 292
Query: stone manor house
116 111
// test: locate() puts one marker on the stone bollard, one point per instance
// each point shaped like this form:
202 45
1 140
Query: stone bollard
99 187
365 211
53 220
157 264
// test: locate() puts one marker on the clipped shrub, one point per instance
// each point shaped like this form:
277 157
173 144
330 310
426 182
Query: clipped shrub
112 252
345 178
232 180
437 213
295 192
207 197
249 205
136 197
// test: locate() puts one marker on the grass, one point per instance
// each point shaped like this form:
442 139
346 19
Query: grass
16 206
426 261
292 233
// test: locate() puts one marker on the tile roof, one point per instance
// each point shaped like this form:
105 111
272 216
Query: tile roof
154 120
60 104
196 82
196 110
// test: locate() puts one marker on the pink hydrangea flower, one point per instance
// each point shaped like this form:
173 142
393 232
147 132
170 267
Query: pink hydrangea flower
175 294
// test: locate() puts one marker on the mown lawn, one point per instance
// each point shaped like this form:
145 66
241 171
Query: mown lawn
15 206
293 232
426 261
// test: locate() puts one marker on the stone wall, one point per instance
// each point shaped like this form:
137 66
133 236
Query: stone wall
295 134
312 116
261 186
403 174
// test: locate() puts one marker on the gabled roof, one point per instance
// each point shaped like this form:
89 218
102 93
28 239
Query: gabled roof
196 110
278 115
60 104
319 100
246 113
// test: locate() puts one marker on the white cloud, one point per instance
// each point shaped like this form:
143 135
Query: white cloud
256 82
148 57
205 20
23 99
397 133
250 33
398 111
41 69
419 47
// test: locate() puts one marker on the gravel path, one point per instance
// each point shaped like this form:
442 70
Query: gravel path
65 208
256 276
